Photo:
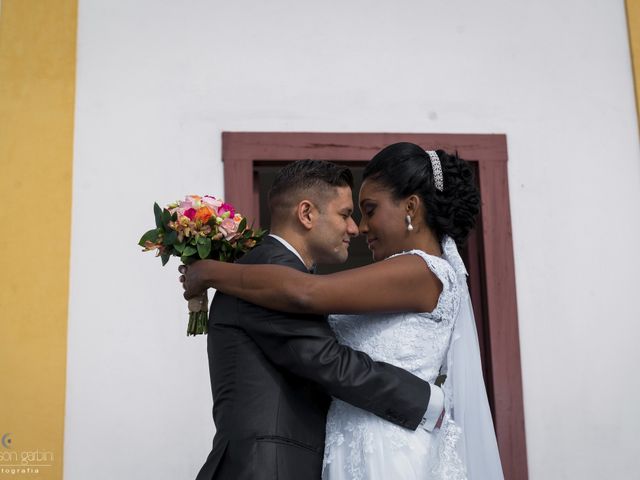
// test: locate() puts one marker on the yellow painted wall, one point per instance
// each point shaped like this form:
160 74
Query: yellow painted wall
633 19
37 90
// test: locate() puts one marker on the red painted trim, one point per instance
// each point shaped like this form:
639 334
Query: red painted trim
499 275
494 267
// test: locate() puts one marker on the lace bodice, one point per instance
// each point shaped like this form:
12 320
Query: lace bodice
416 342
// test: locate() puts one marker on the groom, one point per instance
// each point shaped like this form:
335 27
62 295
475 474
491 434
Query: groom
273 373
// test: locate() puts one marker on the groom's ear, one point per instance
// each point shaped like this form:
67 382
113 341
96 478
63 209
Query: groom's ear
306 213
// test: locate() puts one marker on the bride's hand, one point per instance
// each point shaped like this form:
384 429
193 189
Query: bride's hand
194 277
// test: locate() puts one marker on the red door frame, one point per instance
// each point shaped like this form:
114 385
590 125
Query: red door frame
241 151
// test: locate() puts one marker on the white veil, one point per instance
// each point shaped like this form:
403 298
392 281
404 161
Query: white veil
468 420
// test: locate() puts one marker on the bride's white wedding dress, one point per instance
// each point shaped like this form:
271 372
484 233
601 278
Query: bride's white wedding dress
362 446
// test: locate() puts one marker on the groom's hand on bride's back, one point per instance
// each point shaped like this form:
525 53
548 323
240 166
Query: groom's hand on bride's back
194 278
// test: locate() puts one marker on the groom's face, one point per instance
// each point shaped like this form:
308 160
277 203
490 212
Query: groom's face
333 228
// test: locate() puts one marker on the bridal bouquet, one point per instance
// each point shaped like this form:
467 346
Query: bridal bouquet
198 228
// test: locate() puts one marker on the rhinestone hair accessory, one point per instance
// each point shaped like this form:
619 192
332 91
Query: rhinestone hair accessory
437 170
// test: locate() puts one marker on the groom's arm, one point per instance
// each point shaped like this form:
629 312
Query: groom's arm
307 347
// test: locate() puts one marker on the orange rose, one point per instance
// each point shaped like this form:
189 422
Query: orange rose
204 214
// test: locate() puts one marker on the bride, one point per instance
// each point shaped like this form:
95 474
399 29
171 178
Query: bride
411 308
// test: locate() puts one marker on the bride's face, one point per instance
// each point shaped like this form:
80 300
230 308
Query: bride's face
383 220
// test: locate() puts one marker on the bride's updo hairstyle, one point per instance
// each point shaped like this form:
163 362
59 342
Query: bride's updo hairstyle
405 168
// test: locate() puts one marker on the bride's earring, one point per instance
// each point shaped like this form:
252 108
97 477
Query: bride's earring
409 225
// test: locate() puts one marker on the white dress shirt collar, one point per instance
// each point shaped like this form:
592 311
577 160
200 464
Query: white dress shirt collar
289 247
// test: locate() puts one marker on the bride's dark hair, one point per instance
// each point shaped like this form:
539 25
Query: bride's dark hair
405 168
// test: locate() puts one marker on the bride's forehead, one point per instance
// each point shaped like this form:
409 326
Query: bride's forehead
372 190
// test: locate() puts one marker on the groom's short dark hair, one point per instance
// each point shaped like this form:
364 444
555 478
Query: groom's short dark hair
306 177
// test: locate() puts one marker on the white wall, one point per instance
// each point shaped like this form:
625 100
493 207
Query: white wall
158 82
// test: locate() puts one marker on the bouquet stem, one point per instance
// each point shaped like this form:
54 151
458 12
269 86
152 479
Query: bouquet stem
198 315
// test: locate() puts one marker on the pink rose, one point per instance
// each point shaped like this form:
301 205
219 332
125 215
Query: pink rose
185 205
228 228
225 207
190 213
213 202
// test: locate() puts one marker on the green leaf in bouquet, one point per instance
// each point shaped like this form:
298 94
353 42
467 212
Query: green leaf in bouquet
202 240
243 225
187 260
174 217
171 237
179 247
165 258
188 251
166 217
150 236
204 249
157 212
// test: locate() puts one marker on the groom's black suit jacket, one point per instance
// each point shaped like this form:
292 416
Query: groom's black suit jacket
272 377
